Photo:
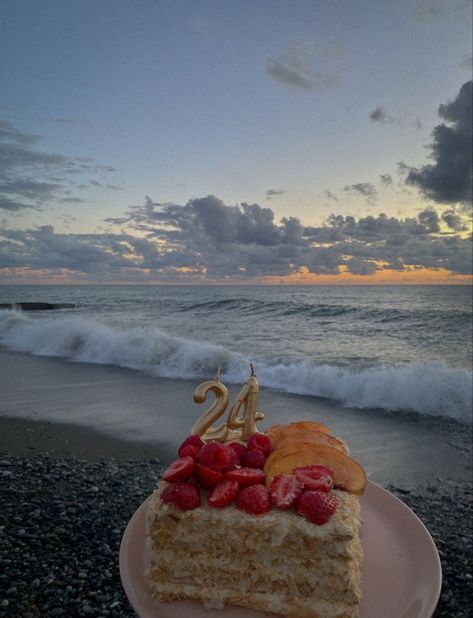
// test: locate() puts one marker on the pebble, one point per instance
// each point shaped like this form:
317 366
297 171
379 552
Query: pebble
59 540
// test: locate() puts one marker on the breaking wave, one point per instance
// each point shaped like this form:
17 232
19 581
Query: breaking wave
426 387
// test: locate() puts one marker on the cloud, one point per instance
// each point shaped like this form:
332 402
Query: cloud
8 133
449 178
308 67
330 196
246 241
381 116
467 62
270 193
360 266
31 178
205 239
366 189
428 10
386 179
454 221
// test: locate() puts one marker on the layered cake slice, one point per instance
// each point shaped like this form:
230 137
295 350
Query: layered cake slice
271 522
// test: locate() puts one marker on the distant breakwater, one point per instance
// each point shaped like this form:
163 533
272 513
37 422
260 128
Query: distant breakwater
37 306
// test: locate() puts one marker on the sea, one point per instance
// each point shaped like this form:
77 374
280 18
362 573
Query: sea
403 349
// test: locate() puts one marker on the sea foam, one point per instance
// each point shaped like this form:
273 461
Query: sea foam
426 387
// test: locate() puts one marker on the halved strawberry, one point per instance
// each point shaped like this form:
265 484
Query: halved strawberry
189 450
223 494
318 478
208 477
317 506
191 446
179 470
182 494
234 460
239 448
262 441
284 491
214 455
246 476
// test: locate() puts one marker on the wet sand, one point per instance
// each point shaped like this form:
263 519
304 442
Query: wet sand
91 411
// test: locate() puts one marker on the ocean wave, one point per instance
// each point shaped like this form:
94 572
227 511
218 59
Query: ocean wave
293 308
426 387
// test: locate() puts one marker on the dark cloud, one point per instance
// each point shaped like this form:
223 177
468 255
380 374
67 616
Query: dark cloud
330 196
449 179
386 179
246 241
454 221
274 193
206 239
360 266
366 189
31 178
379 114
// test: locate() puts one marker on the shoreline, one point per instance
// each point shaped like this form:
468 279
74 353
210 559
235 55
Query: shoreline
125 413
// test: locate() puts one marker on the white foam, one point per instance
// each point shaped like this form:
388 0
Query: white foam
427 387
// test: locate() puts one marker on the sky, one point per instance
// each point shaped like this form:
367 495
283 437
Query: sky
262 141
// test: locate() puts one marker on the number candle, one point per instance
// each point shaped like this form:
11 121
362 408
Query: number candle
203 426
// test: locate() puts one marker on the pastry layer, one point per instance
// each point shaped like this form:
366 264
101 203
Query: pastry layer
276 562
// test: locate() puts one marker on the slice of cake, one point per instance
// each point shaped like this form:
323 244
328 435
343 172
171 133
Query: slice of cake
265 521
285 539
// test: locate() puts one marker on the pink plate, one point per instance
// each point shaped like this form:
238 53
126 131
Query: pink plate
402 576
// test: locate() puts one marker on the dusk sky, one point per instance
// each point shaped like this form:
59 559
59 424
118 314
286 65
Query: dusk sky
321 141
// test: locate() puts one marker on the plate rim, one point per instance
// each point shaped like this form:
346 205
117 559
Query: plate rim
372 488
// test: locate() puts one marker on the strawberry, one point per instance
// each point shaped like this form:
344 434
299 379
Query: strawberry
254 499
214 455
246 476
239 448
319 478
223 494
191 446
317 506
182 494
254 458
234 459
189 450
179 470
208 477
284 491
262 441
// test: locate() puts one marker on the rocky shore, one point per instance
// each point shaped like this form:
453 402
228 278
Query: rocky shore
62 520
37 306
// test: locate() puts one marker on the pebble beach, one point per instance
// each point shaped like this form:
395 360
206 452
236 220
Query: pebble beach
63 516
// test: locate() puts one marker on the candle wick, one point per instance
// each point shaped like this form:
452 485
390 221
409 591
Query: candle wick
218 374
253 372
